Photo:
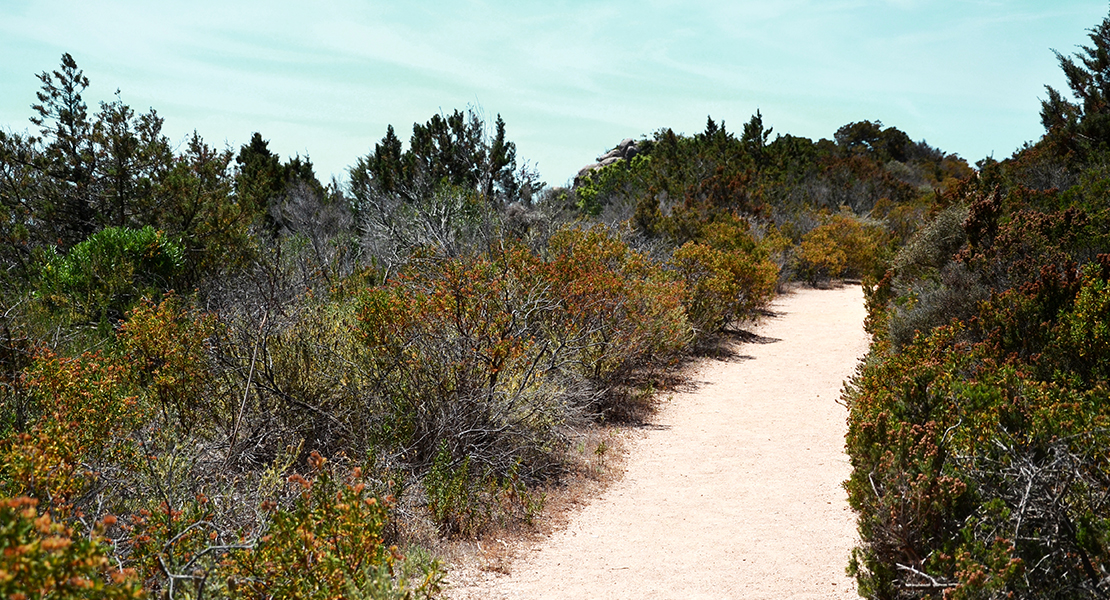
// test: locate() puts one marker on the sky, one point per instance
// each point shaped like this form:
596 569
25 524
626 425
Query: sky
570 78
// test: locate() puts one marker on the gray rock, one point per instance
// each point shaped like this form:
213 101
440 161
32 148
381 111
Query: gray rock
614 153
625 150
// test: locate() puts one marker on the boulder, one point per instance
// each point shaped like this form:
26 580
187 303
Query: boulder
625 150
614 153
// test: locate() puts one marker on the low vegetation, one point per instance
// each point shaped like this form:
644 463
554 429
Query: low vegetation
978 427
220 376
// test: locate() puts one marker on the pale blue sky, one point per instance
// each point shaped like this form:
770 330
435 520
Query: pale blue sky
571 79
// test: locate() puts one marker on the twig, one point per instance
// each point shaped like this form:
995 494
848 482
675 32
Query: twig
933 582
246 389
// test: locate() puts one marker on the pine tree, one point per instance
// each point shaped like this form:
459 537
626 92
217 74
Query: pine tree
1084 123
69 157
131 154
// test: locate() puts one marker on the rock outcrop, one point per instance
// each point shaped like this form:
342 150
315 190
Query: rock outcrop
624 151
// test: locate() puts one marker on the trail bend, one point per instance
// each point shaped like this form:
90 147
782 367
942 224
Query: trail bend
734 491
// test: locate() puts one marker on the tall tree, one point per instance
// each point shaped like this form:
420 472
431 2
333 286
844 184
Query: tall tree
22 192
132 154
1086 121
455 150
754 138
197 205
259 175
62 118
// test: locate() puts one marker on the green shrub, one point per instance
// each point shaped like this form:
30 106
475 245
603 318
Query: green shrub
977 427
107 274
464 501
329 545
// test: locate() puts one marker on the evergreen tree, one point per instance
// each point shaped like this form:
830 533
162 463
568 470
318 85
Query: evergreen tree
132 154
1084 123
754 138
259 175
62 118
455 151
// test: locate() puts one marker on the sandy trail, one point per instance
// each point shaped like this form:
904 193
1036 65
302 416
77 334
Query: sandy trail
734 492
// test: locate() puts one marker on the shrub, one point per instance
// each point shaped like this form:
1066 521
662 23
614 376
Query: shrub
452 349
842 246
166 350
727 274
475 365
933 246
464 500
329 545
83 416
107 274
977 427
623 311
42 558
954 293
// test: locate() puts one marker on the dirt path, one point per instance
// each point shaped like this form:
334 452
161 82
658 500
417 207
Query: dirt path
735 491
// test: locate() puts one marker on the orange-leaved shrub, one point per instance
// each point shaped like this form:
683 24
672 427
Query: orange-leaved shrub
82 416
328 545
728 276
844 245
41 557
453 352
623 311
166 349
480 362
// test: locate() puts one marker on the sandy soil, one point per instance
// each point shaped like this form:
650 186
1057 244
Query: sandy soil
733 491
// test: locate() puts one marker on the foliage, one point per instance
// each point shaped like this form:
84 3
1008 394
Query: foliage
42 558
425 320
1082 126
450 349
80 417
480 362
196 207
977 428
624 312
106 275
456 151
728 276
167 351
843 246
465 503
329 545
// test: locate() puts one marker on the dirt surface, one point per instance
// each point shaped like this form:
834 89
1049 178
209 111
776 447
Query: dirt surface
733 491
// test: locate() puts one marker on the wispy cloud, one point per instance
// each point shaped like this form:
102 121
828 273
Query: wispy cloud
572 77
